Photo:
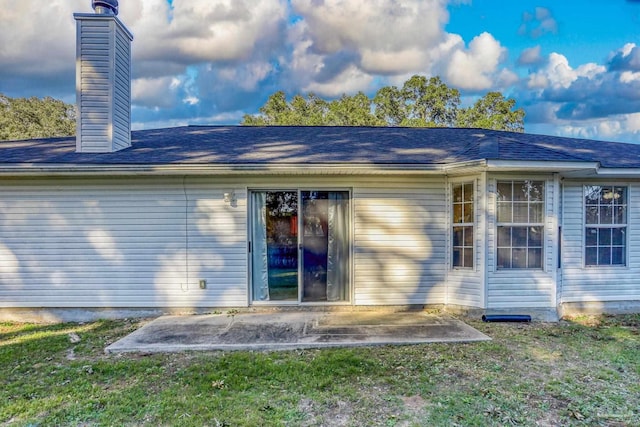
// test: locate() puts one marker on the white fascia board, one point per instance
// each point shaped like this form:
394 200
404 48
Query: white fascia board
619 172
293 169
473 166
541 166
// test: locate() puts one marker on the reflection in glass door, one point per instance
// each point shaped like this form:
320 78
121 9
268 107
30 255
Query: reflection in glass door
275 246
325 246
304 259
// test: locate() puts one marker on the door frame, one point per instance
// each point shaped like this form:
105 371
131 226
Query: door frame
250 221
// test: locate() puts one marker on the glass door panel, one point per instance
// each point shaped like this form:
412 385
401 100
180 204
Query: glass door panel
300 260
275 246
325 246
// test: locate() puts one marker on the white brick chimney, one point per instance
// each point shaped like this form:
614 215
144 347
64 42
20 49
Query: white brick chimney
103 80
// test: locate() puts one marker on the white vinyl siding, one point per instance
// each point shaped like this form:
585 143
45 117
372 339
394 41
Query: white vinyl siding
465 286
103 84
122 92
120 243
400 240
582 283
145 242
523 288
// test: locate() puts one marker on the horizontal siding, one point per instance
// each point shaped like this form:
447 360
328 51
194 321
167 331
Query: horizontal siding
593 284
400 234
104 94
94 96
122 92
523 288
130 243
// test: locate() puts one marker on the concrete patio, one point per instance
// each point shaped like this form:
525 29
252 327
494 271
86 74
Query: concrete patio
294 330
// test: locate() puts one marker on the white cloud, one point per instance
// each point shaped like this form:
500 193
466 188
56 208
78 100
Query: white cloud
211 61
246 76
559 74
625 58
477 68
30 34
624 127
588 101
165 40
538 23
629 77
155 92
349 81
530 56
202 30
388 37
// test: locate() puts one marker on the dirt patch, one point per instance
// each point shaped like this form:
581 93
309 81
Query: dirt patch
414 403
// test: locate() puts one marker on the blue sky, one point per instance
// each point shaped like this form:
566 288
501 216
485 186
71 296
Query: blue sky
572 65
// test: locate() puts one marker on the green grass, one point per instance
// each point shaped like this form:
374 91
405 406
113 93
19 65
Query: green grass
582 372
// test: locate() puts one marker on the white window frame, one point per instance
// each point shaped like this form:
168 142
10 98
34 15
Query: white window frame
613 225
464 225
528 224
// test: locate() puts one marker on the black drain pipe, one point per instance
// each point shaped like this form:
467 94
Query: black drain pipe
506 318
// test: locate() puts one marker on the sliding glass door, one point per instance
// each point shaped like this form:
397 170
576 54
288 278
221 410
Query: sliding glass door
300 246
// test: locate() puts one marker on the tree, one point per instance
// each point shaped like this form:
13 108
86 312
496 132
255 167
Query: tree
352 111
27 118
492 111
421 102
310 111
430 102
389 106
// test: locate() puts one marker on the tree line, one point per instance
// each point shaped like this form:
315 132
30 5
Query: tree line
28 118
420 102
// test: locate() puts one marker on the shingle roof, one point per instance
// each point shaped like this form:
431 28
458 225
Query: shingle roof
235 145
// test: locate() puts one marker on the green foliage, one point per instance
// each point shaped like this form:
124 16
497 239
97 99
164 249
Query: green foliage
421 102
492 111
430 102
28 118
389 106
352 111
314 111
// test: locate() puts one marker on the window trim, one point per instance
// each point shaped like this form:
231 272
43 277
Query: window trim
512 224
611 226
454 225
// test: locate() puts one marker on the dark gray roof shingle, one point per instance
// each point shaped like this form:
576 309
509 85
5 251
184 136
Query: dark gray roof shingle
234 145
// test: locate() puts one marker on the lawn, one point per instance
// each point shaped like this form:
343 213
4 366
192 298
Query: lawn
580 372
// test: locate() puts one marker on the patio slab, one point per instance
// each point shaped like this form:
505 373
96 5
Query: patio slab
294 330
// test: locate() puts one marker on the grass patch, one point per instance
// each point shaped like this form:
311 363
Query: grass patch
580 372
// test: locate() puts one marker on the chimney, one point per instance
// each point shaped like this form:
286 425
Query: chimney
103 80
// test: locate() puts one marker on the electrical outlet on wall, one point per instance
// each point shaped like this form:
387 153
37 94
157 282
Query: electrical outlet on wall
203 283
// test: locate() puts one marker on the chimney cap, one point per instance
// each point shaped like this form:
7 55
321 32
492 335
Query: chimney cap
105 7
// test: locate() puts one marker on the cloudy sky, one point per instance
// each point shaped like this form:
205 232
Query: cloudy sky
573 65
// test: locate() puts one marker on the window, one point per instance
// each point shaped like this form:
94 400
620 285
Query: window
463 220
520 206
605 225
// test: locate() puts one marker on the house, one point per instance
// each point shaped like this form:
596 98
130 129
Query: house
120 223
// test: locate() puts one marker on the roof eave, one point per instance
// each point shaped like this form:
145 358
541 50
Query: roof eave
30 169
618 172
566 169
562 167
